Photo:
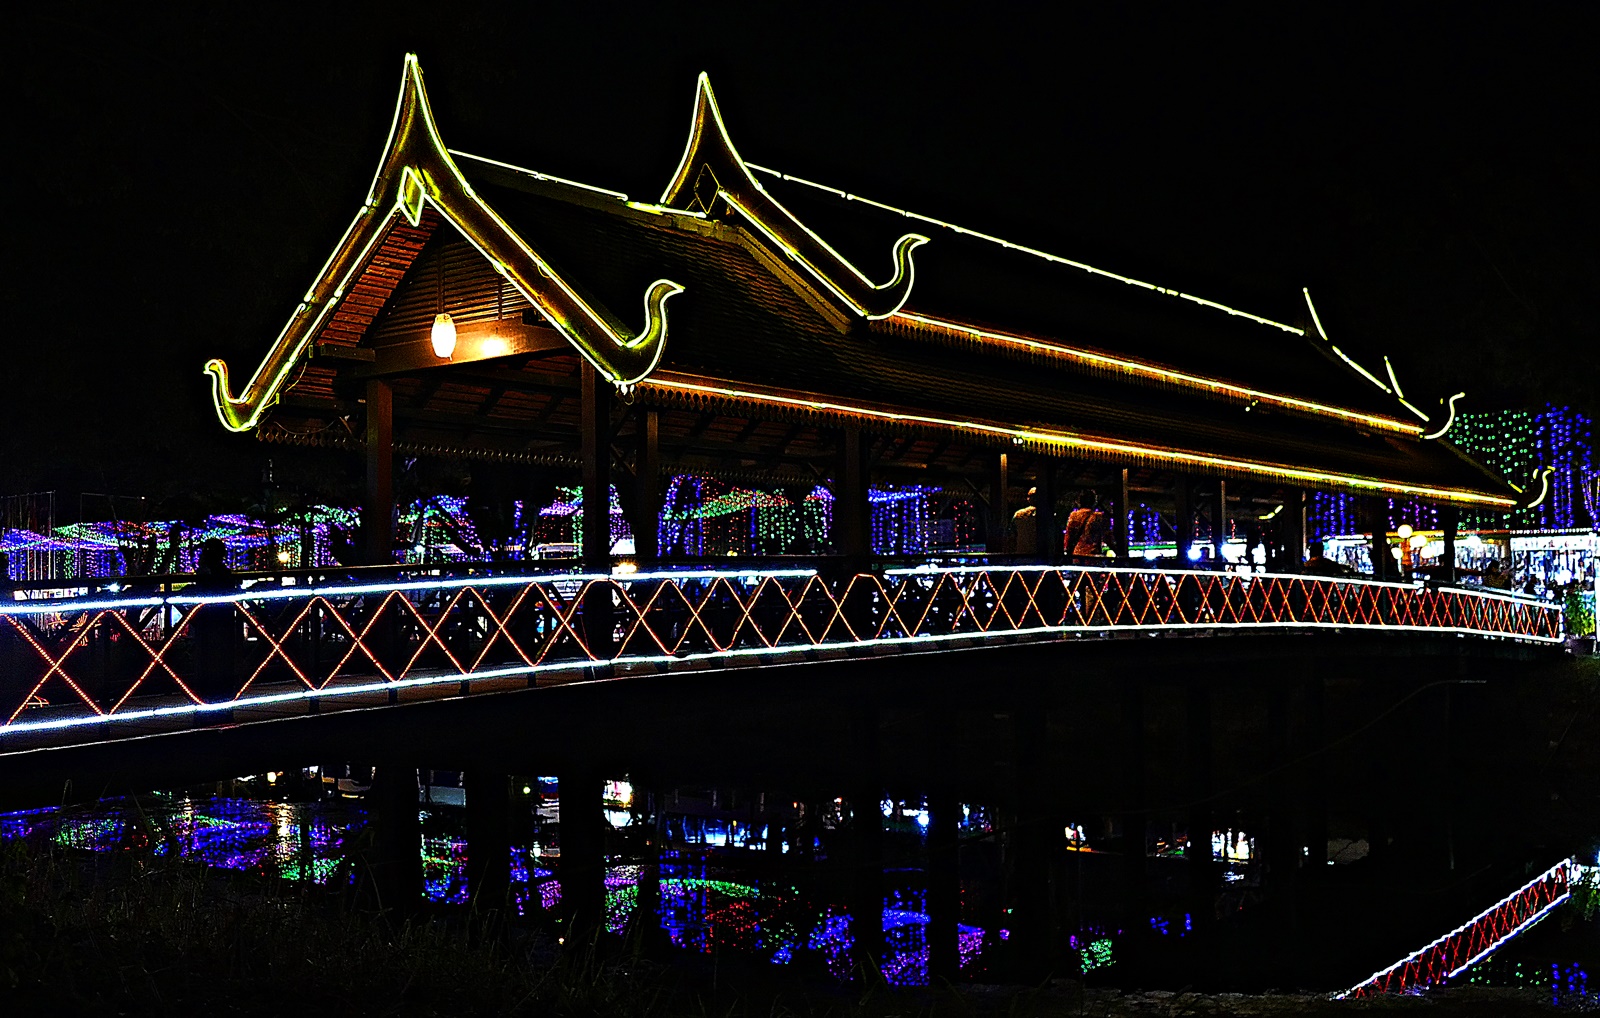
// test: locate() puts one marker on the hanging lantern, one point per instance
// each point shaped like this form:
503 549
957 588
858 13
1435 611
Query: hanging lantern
444 336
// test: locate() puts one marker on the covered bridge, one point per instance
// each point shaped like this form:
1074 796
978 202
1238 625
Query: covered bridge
733 328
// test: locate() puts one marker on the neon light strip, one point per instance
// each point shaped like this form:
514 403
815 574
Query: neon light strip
1509 596
1057 259
1567 866
1531 921
1369 376
63 605
552 178
289 593
1544 488
806 651
1069 440
1392 380
1159 373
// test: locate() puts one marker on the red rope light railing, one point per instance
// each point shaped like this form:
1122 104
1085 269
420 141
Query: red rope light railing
89 660
1475 939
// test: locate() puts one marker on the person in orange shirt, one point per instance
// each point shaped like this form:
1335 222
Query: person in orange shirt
1085 533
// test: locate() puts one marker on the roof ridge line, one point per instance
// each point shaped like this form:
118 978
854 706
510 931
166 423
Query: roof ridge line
1036 252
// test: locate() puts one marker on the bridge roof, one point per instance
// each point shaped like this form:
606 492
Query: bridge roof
777 336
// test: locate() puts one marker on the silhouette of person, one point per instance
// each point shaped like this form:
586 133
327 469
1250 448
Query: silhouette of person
211 571
1497 576
1319 565
1025 526
1086 528
212 626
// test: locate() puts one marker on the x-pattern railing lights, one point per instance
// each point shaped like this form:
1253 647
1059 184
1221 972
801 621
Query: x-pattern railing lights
98 658
1475 939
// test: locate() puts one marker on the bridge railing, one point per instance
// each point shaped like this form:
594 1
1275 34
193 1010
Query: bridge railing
130 655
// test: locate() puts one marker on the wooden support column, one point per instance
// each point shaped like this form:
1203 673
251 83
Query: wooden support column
397 865
1300 502
944 883
1183 520
583 859
1047 523
488 839
999 516
866 820
377 512
941 767
653 937
1378 537
595 423
1219 520
1450 521
1284 841
1122 517
852 508
1134 822
647 488
1315 793
1034 842
1202 818
595 453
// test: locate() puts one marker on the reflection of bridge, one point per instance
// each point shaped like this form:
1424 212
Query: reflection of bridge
302 644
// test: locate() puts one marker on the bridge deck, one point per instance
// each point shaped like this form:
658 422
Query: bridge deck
76 668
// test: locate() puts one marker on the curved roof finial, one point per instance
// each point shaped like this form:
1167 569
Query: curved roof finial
712 169
1543 477
1449 421
417 171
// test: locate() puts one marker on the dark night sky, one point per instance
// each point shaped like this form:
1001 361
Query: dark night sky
1430 174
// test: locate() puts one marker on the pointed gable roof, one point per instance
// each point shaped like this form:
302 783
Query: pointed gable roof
996 345
417 172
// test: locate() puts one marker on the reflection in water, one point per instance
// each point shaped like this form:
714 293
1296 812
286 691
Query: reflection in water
706 904
290 840
711 898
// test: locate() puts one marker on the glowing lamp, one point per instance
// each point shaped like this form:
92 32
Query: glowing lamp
444 336
1404 531
1418 542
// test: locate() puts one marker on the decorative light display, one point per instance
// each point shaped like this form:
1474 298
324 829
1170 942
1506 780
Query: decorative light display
1339 514
1244 395
1520 444
1565 981
672 385
703 517
1145 526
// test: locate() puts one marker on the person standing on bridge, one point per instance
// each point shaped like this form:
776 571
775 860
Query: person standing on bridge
1025 527
1318 565
212 626
1086 528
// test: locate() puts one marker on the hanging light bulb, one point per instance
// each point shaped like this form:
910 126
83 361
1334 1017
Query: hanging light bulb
444 336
